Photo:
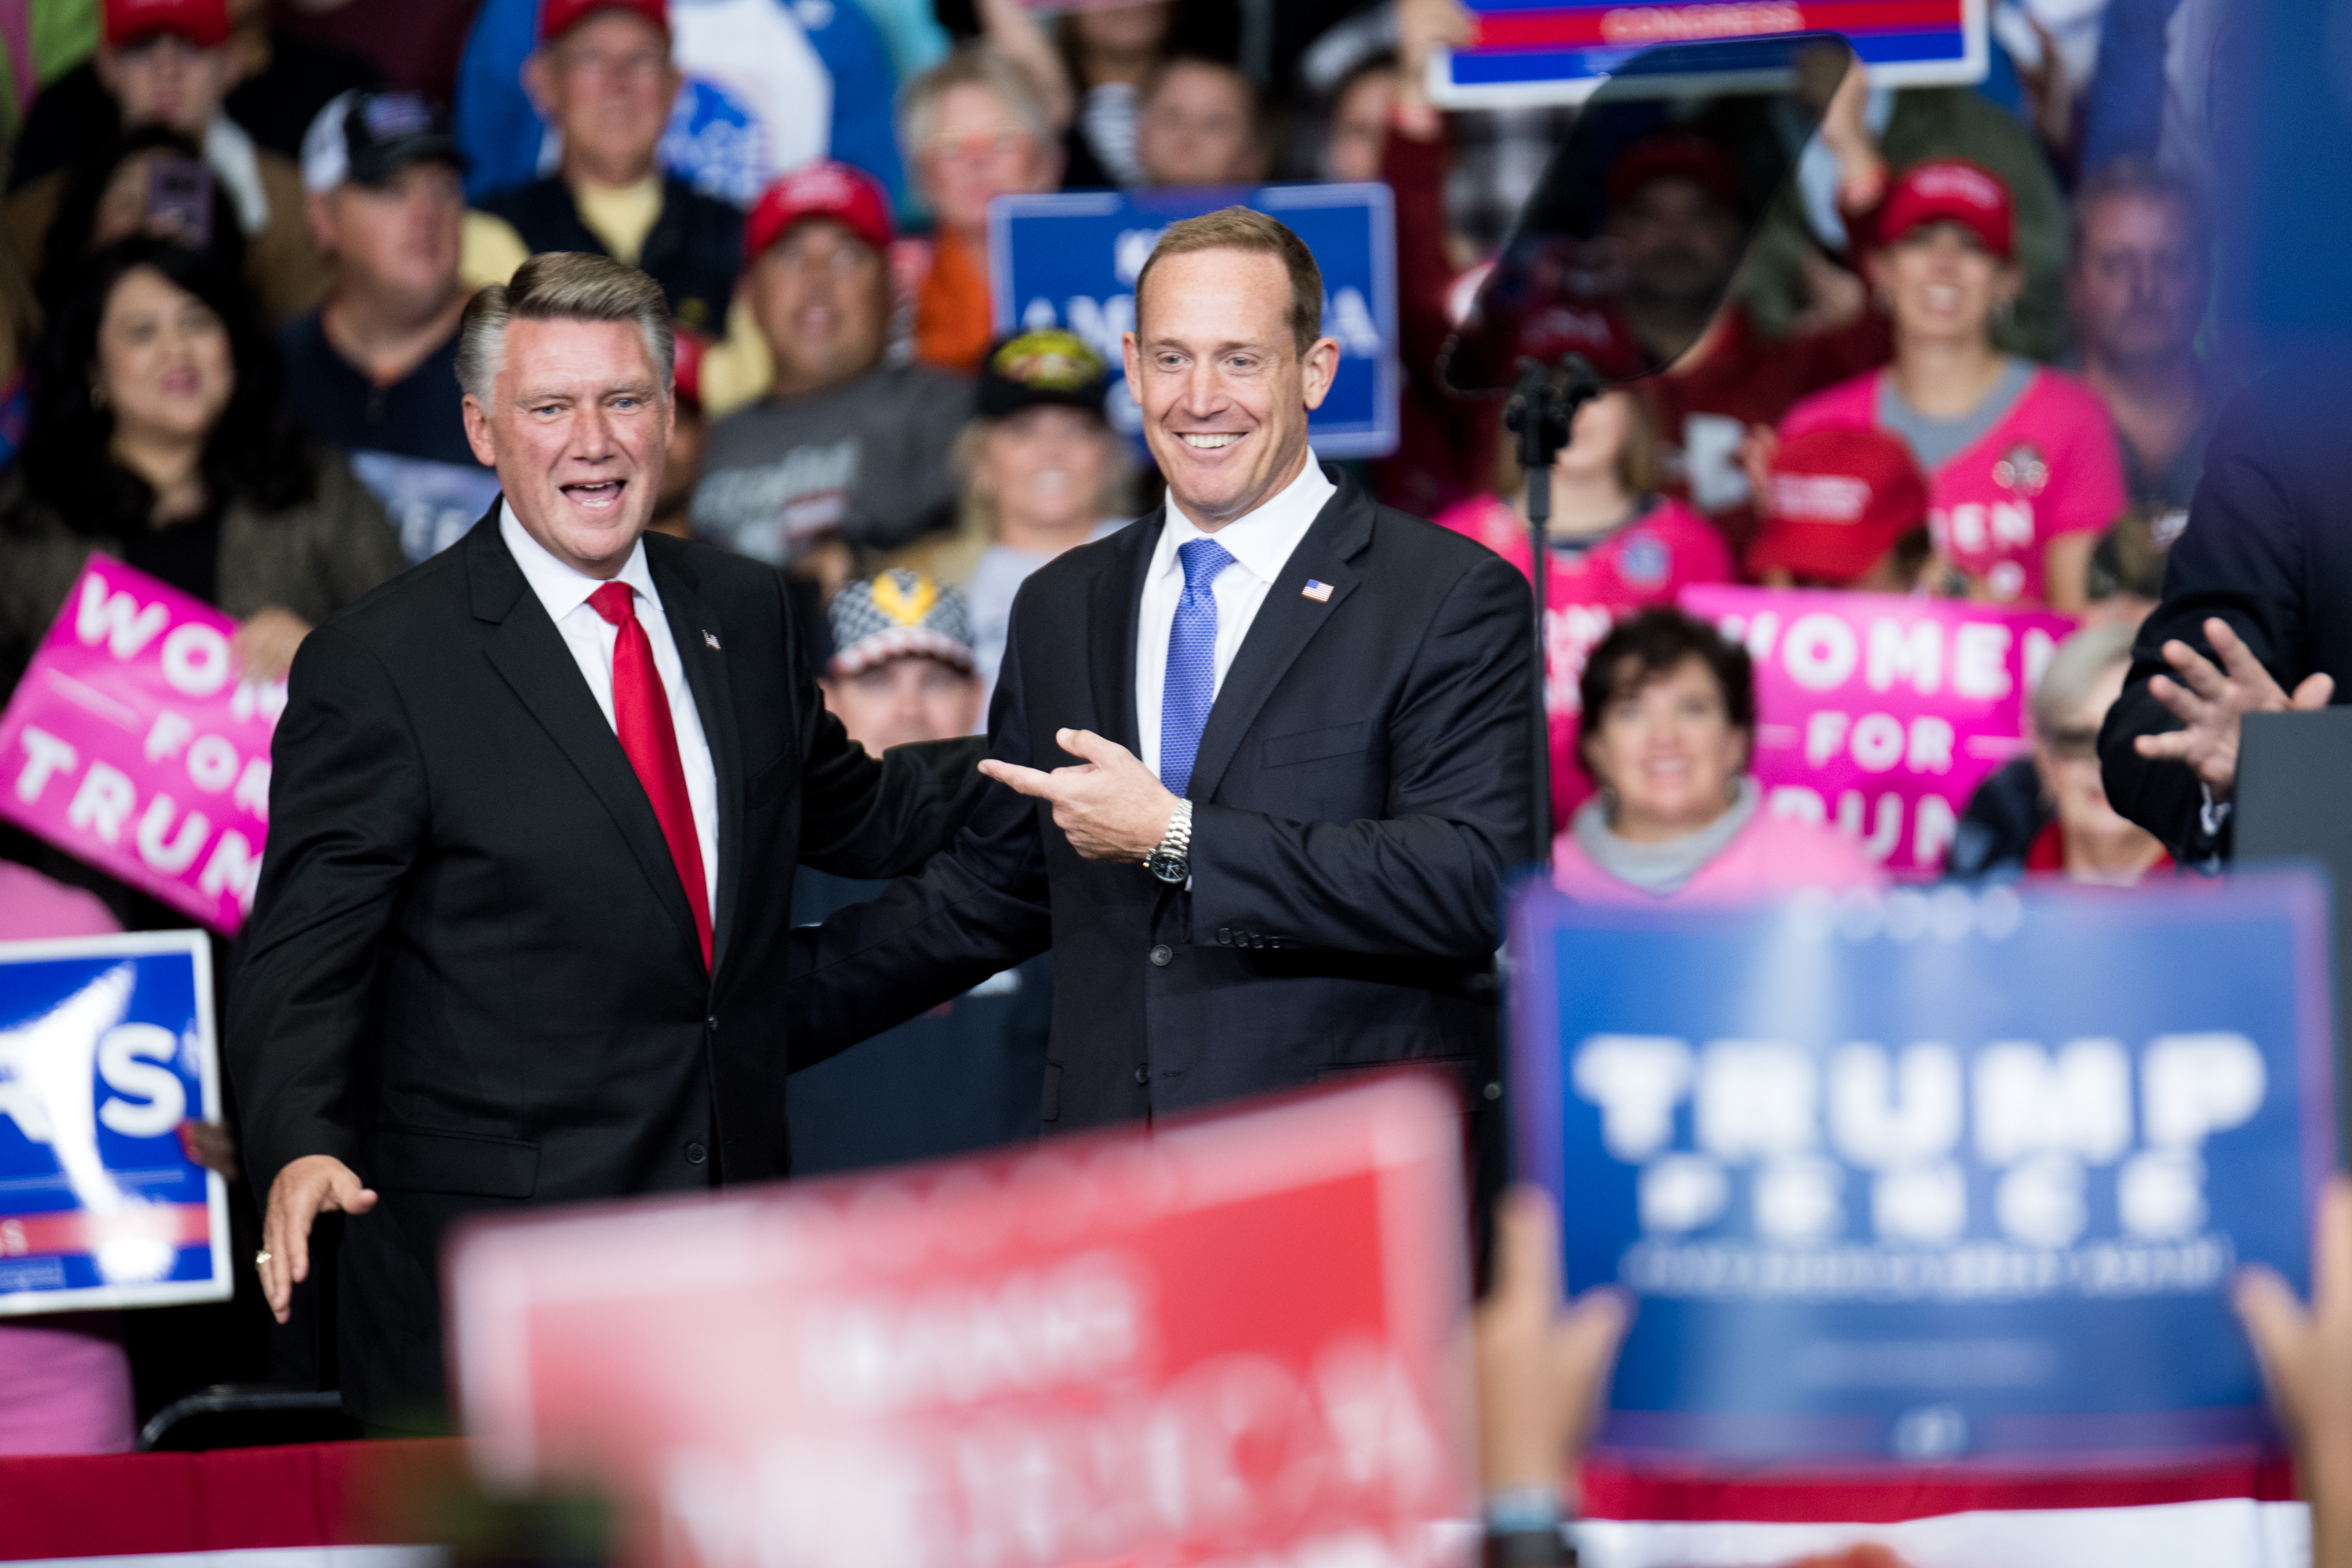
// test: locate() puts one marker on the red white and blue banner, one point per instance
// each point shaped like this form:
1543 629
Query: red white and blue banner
105 1046
1524 52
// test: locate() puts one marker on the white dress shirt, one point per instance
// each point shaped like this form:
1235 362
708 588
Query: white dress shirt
591 637
1260 543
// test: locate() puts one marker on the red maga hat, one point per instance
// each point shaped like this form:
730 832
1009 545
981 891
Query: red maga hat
847 195
1840 500
557 17
1952 190
203 23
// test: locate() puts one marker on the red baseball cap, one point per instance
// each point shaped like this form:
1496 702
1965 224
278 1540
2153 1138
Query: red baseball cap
557 17
1840 500
203 23
1956 191
842 192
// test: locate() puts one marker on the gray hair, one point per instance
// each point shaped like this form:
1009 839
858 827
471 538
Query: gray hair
2075 668
972 65
561 286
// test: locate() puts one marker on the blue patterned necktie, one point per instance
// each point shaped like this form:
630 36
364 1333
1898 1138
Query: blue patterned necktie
1191 663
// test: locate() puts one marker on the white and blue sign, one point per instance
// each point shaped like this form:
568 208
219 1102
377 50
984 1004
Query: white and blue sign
1071 261
1933 1176
105 1046
431 503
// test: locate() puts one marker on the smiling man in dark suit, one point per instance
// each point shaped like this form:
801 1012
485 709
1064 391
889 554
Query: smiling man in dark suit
1301 722
536 809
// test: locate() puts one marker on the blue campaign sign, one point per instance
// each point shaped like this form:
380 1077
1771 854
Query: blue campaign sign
1521 53
106 1046
1937 1176
1070 260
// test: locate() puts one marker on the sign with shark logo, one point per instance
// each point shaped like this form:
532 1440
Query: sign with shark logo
105 1046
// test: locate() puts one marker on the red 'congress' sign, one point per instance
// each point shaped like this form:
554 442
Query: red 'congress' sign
1222 1341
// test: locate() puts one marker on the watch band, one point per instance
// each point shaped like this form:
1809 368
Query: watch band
1178 839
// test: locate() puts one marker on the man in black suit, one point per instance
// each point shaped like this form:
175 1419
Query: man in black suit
520 934
2252 617
1302 724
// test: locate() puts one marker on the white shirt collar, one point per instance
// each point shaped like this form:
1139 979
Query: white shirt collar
562 587
1260 540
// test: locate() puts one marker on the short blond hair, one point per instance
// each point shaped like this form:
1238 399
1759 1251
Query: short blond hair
561 285
1240 228
971 65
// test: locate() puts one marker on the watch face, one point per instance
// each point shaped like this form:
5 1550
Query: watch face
1168 867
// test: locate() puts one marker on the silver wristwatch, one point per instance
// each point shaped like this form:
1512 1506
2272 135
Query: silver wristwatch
1172 860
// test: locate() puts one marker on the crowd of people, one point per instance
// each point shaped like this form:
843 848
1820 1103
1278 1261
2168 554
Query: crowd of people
267 272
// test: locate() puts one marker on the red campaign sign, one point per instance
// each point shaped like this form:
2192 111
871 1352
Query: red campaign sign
1882 713
1224 1341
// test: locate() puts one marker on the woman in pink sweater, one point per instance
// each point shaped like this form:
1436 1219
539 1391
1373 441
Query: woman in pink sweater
1669 719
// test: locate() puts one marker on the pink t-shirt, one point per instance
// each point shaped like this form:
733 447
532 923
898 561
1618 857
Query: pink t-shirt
2047 466
65 1384
1771 855
1644 563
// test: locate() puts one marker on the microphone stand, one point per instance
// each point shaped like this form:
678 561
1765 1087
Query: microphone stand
1542 414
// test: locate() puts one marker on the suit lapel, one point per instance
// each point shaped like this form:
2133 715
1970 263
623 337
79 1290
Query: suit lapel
531 656
1113 606
1287 621
693 627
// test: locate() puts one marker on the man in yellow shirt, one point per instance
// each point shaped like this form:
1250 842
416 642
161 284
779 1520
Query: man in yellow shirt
602 77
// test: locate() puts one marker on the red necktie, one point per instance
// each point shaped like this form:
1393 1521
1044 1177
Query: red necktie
641 713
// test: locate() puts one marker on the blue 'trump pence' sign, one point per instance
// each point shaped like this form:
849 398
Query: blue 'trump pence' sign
106 1046
1071 261
1933 1176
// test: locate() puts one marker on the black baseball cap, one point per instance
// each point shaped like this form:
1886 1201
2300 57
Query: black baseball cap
371 136
1044 365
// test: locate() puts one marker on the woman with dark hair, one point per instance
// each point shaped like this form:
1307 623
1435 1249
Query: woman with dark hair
160 435
1669 722
151 181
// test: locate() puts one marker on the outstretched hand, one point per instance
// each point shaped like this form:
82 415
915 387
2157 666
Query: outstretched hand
2212 702
310 1187
1111 805
2307 1357
1542 1364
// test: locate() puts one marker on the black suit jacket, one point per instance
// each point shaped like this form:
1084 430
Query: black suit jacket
471 972
2268 549
1361 786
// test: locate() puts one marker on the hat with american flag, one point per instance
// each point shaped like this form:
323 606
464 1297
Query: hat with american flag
899 614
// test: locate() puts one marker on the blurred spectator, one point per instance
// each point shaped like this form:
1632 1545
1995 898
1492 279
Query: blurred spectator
1669 724
1355 129
764 86
1091 72
969 1074
150 181
279 83
1844 509
2086 839
1042 471
415 42
2252 617
2021 459
64 1381
169 64
1868 132
160 435
2306 1358
374 370
976 128
843 446
1616 546
2137 286
689 438
604 73
1197 123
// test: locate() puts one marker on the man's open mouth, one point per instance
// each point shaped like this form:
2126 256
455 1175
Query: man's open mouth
597 494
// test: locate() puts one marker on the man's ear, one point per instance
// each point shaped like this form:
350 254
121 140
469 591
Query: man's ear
110 75
477 432
1130 358
535 75
1322 364
322 220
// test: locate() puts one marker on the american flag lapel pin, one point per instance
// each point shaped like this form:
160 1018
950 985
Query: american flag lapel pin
1319 591
711 639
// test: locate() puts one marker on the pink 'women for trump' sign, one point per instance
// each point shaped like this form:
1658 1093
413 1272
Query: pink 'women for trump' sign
1882 714
131 744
